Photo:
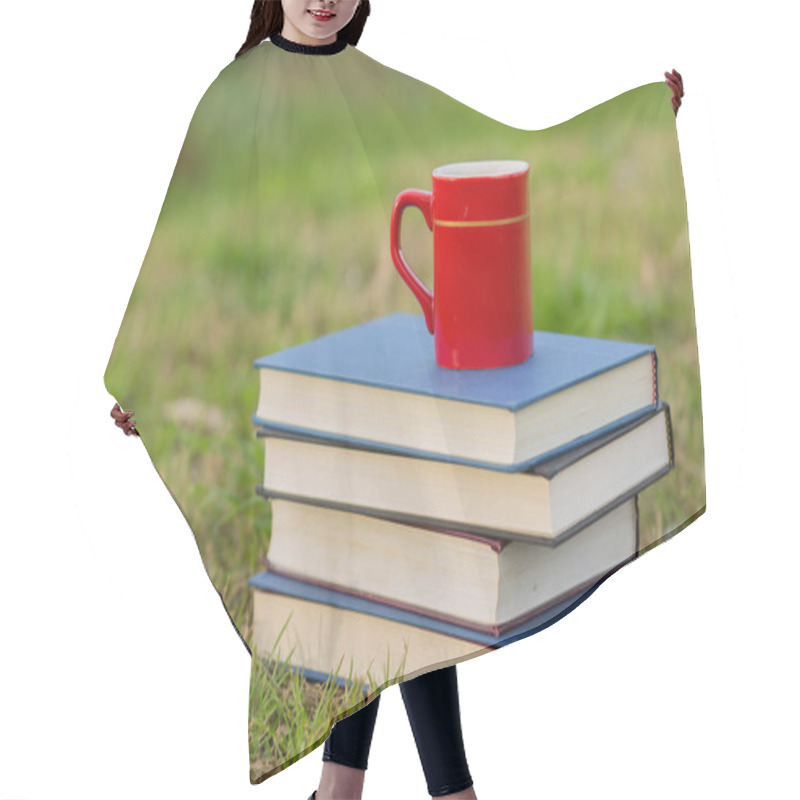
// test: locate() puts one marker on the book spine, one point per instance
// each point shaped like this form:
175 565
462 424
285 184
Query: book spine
670 446
655 378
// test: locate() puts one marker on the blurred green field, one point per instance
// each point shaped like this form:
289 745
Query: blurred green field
275 233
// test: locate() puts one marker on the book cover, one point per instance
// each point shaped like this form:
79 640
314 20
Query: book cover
327 596
396 352
379 382
485 584
546 503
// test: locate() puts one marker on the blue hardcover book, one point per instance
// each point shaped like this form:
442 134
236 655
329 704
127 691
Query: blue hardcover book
374 639
379 383
546 503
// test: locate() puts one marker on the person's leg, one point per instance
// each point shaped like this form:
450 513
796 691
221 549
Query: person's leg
435 716
345 755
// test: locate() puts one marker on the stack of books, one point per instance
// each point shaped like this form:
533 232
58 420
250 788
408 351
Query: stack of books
422 515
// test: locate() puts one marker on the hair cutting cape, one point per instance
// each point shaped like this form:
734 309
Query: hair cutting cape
351 548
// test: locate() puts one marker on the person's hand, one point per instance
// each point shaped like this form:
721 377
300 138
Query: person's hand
675 82
124 420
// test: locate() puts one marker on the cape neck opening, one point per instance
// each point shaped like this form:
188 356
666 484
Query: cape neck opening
308 49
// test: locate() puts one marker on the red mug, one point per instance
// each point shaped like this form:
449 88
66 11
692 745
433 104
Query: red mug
480 311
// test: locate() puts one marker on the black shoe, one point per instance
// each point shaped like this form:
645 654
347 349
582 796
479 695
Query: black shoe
313 795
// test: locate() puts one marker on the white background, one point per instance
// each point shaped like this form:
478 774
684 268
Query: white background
120 675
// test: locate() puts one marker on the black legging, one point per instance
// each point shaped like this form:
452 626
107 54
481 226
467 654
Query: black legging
433 711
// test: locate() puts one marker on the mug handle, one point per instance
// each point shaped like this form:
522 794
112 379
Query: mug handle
422 200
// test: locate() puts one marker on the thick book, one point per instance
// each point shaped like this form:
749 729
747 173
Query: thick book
548 502
327 633
489 585
378 382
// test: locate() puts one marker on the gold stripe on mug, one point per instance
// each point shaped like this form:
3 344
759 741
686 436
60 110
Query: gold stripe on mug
478 223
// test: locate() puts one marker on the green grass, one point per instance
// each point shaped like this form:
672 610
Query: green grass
255 253
290 716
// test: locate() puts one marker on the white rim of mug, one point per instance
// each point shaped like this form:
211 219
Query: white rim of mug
496 168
